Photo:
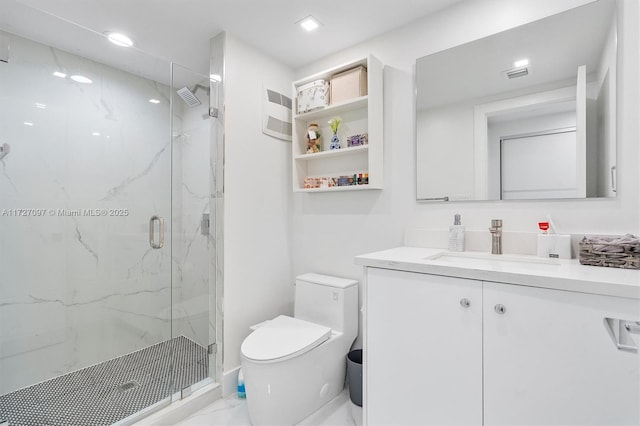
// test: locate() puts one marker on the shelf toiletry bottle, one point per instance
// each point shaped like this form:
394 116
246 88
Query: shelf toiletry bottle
456 235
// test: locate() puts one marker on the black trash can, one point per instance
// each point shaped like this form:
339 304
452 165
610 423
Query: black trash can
354 373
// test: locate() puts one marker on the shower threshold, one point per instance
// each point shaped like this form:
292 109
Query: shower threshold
106 393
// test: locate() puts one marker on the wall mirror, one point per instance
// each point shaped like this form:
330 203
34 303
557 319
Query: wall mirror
528 113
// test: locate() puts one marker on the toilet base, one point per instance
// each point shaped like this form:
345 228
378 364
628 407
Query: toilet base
284 393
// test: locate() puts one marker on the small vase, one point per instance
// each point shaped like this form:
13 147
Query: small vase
335 142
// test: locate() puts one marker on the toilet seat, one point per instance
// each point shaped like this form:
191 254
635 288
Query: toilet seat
283 337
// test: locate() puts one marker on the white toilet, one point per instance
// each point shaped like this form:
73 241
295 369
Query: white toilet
293 366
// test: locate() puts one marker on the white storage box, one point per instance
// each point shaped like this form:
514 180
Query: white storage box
349 84
312 96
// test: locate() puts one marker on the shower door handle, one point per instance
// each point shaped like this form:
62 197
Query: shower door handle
152 232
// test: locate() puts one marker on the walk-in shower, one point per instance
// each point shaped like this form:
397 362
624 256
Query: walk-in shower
99 322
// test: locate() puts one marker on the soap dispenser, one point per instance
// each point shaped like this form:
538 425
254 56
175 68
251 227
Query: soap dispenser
456 235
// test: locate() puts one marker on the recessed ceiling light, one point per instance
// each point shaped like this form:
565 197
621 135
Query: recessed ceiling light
95 134
215 77
59 74
41 106
309 23
521 63
28 123
154 101
81 79
119 39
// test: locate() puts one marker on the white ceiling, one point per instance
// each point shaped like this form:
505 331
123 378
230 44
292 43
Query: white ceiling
180 30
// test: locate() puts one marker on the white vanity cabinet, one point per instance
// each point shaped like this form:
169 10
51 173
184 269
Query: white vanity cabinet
423 349
507 355
549 358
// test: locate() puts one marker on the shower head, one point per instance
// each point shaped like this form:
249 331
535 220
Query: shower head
189 95
4 150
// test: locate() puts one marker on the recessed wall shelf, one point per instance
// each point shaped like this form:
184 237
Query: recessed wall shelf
342 152
359 115
339 188
335 109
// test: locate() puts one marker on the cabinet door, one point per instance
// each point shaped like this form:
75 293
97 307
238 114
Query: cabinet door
550 359
423 349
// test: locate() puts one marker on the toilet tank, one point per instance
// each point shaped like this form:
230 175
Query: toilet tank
328 301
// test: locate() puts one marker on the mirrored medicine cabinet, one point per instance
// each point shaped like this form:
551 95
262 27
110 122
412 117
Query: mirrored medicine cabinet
528 113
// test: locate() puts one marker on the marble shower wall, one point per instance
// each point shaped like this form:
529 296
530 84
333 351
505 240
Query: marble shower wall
79 283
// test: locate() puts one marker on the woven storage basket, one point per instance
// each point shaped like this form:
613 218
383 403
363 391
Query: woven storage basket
611 251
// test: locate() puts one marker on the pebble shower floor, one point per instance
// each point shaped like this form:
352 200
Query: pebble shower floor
108 392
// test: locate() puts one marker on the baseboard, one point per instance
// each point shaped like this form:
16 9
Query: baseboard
180 410
230 382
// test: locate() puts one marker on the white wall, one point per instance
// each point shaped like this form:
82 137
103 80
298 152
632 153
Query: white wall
448 132
331 228
258 283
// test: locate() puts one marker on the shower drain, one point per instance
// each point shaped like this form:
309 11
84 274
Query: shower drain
128 386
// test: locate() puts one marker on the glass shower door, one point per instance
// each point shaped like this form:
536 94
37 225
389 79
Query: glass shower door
194 246
85 287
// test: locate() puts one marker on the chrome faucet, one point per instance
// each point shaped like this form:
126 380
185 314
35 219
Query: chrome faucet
496 236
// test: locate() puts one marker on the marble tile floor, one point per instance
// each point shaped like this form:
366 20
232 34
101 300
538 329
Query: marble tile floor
232 411
108 392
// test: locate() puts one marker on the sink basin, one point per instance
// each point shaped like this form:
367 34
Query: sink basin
492 261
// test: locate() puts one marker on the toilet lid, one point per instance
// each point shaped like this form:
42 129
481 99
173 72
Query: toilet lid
283 336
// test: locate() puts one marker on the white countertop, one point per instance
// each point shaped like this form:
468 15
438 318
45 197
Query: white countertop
526 270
